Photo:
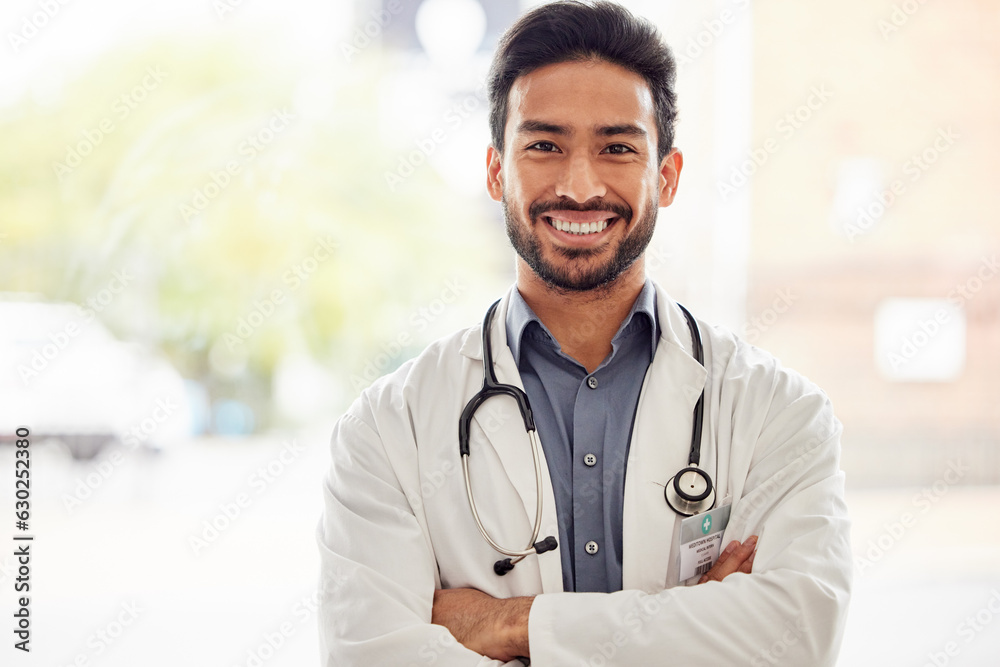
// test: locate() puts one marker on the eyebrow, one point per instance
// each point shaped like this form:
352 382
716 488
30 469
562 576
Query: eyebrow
626 129
532 126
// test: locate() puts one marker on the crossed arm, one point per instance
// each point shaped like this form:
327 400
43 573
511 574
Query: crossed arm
382 606
498 628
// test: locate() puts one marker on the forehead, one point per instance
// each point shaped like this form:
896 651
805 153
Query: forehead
582 95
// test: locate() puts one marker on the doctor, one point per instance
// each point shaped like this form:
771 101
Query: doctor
582 113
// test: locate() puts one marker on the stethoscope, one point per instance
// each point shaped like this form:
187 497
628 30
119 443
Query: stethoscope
689 492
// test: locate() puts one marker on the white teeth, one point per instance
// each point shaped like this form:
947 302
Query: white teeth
578 228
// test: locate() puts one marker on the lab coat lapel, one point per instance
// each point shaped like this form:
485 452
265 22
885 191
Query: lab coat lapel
661 442
503 427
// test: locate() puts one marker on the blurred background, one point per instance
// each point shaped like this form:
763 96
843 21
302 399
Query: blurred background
221 219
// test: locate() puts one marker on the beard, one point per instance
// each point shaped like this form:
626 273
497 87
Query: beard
581 276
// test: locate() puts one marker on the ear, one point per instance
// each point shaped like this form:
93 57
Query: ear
670 174
494 174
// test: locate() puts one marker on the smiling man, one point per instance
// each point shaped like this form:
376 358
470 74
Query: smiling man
651 440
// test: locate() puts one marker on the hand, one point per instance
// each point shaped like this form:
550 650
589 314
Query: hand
496 628
735 557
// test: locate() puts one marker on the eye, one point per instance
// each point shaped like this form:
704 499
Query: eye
618 149
544 146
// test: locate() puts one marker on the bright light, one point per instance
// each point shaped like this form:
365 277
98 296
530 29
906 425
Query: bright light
451 30
920 340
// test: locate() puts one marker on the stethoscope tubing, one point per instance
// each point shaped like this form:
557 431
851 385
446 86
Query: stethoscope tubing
538 504
679 501
492 387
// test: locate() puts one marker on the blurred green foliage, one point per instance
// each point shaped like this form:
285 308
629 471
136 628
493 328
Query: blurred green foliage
124 168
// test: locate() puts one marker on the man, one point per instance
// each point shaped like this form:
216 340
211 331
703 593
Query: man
582 112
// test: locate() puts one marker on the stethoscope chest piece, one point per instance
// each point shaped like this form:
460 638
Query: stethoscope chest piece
690 492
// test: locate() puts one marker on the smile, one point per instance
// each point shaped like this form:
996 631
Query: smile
578 228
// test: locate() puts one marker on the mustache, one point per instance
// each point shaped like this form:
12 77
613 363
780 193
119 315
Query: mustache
539 208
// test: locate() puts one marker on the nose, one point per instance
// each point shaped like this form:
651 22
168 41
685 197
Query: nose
579 180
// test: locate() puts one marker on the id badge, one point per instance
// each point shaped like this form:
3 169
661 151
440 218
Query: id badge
701 541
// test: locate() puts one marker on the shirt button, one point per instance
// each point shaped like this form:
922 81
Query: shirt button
592 382
591 547
590 460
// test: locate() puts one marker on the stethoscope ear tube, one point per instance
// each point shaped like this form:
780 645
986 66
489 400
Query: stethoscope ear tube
698 353
502 567
491 387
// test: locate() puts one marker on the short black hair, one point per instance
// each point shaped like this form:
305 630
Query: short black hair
570 30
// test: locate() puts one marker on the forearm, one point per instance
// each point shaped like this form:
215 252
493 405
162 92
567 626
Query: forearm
500 627
494 627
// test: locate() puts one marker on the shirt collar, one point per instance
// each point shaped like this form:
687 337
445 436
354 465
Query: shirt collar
520 315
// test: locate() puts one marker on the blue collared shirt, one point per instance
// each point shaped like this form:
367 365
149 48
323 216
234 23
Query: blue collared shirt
584 421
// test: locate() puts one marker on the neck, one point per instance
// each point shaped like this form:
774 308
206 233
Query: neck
583 323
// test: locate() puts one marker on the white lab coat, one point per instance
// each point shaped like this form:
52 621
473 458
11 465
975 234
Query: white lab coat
397 524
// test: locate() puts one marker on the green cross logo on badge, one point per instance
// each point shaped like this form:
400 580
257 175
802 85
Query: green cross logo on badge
706 525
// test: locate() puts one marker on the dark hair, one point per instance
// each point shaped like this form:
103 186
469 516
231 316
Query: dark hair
569 30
